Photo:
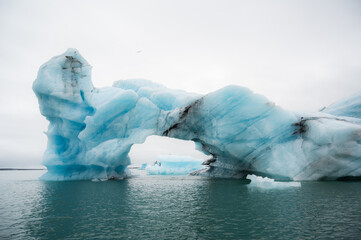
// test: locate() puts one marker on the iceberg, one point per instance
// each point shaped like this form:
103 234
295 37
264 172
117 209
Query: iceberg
174 165
91 130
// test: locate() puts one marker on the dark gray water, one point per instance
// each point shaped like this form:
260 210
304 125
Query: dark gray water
163 207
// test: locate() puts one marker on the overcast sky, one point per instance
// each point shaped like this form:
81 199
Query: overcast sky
302 55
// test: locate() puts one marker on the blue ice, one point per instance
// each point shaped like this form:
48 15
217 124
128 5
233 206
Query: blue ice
91 130
174 165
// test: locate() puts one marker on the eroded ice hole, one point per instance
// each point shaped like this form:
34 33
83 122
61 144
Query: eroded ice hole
156 147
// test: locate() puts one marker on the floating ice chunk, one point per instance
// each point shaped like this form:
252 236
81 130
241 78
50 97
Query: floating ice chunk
174 165
143 166
267 183
99 179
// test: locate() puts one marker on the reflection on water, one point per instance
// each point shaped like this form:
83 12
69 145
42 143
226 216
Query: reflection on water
162 207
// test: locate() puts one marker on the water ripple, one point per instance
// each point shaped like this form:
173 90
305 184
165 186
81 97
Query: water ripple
162 207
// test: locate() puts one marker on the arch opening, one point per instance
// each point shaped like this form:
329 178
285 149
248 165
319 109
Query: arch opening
178 157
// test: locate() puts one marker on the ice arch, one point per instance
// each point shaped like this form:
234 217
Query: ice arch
91 130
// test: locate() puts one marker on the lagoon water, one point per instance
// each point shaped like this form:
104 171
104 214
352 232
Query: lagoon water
175 207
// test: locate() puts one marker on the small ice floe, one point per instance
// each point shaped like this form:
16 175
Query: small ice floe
99 179
268 183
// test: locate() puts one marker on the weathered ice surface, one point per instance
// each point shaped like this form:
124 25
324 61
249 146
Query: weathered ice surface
91 130
350 107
